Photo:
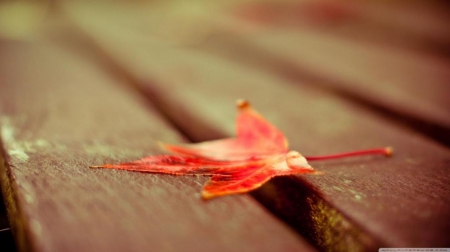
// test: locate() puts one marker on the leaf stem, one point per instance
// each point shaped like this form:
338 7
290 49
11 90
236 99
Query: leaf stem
384 151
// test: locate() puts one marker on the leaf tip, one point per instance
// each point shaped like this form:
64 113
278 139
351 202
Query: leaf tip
317 172
242 104
95 166
207 196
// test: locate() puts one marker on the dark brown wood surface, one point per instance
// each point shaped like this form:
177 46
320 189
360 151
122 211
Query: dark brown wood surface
410 85
102 82
62 113
416 25
374 201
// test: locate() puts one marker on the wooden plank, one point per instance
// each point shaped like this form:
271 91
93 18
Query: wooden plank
410 87
371 201
415 25
61 113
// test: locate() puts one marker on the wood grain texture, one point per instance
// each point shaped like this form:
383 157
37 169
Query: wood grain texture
61 113
385 202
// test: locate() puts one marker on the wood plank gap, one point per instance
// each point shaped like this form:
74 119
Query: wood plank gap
84 45
415 26
323 225
301 204
70 207
172 103
15 214
388 197
240 50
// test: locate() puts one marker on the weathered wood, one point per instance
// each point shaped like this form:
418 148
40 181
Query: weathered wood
375 201
61 113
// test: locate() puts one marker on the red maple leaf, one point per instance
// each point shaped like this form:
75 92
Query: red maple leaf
237 165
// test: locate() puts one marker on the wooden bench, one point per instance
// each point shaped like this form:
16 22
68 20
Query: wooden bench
101 83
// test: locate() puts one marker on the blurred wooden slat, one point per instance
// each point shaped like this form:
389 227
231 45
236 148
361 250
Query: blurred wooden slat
61 113
371 201
420 25
410 87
